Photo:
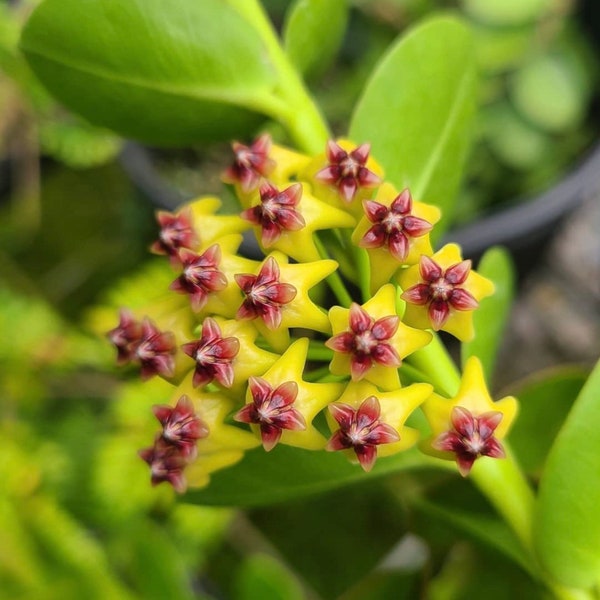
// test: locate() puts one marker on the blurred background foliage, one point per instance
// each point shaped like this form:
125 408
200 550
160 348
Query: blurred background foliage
538 107
78 517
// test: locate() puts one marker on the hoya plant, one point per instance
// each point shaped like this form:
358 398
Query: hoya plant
315 360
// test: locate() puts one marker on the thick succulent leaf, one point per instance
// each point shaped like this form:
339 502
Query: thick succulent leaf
363 524
567 527
287 473
161 72
487 529
490 318
544 403
417 111
313 32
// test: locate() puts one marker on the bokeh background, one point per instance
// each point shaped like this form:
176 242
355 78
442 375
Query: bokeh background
78 517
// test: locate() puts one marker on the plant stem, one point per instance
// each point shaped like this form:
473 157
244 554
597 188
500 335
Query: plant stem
302 118
439 366
505 486
364 272
501 481
334 280
319 352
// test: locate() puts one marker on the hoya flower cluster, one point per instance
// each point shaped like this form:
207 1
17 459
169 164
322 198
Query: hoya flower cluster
303 347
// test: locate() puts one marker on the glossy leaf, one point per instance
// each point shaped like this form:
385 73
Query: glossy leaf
485 529
261 576
286 473
567 527
544 403
157 568
491 316
457 504
417 111
313 32
360 525
473 571
161 72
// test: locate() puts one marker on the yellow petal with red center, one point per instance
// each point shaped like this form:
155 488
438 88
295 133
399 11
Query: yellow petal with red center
473 395
317 215
311 399
288 164
224 445
330 194
459 322
249 361
405 341
226 302
396 406
301 311
214 408
383 264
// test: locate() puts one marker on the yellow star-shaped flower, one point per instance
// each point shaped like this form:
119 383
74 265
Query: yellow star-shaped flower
442 291
249 361
275 297
281 406
286 218
344 175
377 412
395 231
470 424
370 340
209 225
224 445
226 301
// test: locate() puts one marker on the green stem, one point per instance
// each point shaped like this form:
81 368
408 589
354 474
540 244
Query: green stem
439 366
364 272
334 280
501 481
505 486
319 352
318 375
302 118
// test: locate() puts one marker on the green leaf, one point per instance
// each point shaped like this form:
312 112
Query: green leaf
567 525
491 316
515 141
286 473
362 513
77 143
417 111
488 530
261 576
161 72
506 12
313 32
547 93
457 503
156 565
544 403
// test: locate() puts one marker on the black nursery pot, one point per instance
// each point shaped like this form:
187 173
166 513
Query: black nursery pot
524 229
